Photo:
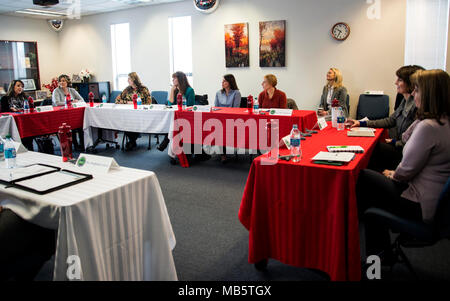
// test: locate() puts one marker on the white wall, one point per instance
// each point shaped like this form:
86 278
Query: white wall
368 59
34 30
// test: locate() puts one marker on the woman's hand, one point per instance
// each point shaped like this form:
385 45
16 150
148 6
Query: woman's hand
388 141
352 123
322 112
389 173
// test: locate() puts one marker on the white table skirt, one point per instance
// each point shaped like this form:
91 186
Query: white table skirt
116 223
8 126
125 118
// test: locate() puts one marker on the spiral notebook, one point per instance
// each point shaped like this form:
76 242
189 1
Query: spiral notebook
345 148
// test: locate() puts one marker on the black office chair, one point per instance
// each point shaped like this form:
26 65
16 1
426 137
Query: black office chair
414 234
373 106
243 102
47 102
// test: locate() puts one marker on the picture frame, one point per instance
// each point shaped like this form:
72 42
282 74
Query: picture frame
28 84
76 78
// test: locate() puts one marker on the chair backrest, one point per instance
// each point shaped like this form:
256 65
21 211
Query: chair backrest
113 96
291 104
373 106
161 97
201 100
47 102
243 102
442 217
348 104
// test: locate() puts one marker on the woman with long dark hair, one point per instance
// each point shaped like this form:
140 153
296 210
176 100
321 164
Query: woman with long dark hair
229 95
14 98
181 85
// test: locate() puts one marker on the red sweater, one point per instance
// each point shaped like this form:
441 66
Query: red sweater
278 100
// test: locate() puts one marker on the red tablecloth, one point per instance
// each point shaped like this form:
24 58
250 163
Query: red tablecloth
241 139
305 214
36 124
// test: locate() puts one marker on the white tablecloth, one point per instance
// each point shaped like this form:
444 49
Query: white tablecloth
125 118
117 223
8 126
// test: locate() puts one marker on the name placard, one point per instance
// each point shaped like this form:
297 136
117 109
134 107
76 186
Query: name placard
198 108
80 104
44 109
281 112
95 164
322 122
106 105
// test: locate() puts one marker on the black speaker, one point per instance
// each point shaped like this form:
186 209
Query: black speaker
45 2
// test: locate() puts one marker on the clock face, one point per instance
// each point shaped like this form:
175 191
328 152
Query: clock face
340 31
206 6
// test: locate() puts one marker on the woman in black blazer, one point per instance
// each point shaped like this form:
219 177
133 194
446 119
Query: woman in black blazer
13 100
334 89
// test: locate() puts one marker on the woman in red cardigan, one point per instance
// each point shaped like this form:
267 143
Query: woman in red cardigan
271 97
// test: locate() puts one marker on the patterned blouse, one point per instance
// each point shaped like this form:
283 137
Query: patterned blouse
127 95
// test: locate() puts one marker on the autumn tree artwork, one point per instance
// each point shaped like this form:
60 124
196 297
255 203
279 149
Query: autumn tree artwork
236 45
272 44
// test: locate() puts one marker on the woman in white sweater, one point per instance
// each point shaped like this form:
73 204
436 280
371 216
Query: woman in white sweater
413 189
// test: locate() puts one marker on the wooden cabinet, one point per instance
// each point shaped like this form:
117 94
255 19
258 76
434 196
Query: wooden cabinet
98 89
19 60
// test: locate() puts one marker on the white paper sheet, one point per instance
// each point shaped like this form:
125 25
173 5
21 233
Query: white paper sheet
49 181
11 174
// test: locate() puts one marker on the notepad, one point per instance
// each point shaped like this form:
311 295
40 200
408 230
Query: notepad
345 148
334 157
361 132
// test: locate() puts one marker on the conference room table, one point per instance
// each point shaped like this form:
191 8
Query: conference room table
122 117
305 214
203 124
8 127
48 122
116 223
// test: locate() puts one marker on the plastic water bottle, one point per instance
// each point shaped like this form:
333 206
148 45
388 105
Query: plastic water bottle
256 107
2 149
10 152
184 103
104 98
26 106
139 103
296 152
340 119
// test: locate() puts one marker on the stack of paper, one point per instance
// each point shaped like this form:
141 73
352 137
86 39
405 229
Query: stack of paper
334 157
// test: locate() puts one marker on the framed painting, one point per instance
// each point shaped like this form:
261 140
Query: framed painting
272 44
236 45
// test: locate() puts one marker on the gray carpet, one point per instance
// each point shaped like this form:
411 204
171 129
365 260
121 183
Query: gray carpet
203 203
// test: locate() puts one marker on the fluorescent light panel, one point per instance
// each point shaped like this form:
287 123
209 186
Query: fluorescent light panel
41 12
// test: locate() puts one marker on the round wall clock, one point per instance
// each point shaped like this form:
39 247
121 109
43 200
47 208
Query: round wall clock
340 31
206 6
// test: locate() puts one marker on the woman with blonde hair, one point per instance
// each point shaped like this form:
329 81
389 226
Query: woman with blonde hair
334 89
412 190
126 97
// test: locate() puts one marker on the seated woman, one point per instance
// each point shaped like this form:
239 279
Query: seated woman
334 89
59 99
126 97
25 247
271 97
413 189
228 96
13 102
388 154
180 86
64 89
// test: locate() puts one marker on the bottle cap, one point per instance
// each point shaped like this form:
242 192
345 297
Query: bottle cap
8 136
